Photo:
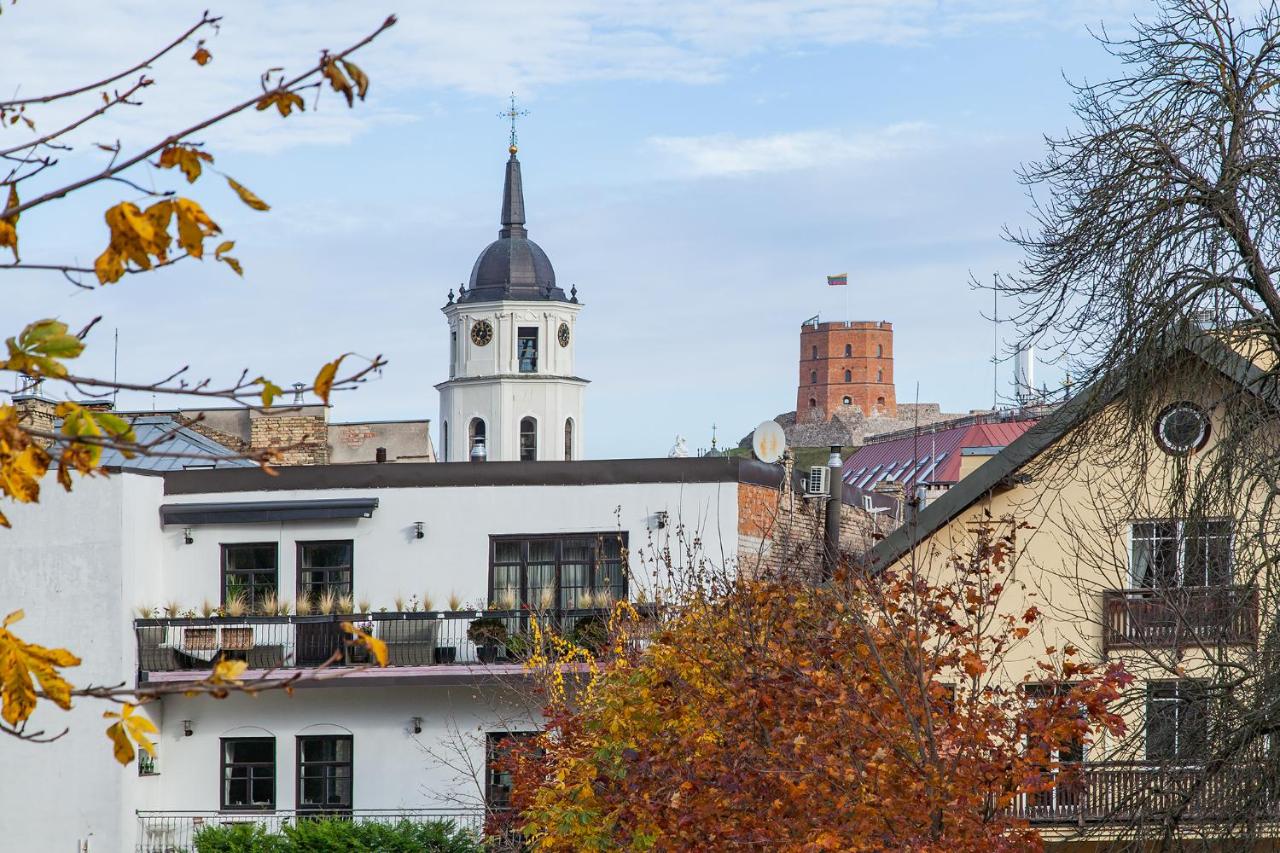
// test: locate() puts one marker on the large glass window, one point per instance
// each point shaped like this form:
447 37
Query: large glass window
1168 554
250 571
528 440
497 779
1177 720
527 348
324 773
324 567
1068 786
248 773
565 572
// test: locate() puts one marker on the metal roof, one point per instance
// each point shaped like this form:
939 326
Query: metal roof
927 457
182 441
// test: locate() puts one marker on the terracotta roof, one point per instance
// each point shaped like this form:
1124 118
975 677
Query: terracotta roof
927 456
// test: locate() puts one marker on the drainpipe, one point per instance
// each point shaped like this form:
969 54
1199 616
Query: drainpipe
831 545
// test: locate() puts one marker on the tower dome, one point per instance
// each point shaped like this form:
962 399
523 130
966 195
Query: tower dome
513 266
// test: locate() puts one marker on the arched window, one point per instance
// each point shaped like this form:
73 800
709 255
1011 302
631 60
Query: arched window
813 377
848 376
847 401
476 435
528 440
848 350
879 401
879 375
568 439
879 350
814 352
444 441
813 403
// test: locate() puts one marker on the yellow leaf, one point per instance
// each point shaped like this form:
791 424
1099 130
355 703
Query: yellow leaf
122 748
185 158
270 391
224 247
9 224
201 56
234 264
361 79
20 660
130 727
324 379
227 672
370 642
338 80
109 267
284 101
193 226
247 197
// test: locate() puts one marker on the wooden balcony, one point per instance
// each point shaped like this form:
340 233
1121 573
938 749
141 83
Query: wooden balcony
1135 792
1179 617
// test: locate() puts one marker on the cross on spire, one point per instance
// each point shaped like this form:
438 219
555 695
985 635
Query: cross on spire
512 114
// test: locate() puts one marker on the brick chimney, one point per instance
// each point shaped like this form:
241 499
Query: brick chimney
300 433
35 412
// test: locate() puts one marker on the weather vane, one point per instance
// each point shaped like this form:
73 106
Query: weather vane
512 114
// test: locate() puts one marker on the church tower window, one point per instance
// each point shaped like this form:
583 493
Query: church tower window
568 440
527 349
444 441
477 431
848 350
528 440
848 376
813 377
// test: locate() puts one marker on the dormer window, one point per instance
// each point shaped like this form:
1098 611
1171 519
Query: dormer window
527 348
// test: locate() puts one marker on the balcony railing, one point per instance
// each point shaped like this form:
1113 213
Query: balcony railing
1139 792
175 831
1179 617
438 638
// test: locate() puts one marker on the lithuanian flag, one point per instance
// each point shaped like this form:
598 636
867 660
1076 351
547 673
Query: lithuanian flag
838 280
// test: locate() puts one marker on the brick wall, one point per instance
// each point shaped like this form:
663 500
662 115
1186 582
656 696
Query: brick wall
300 439
841 362
35 412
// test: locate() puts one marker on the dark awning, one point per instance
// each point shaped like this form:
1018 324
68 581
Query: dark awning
255 512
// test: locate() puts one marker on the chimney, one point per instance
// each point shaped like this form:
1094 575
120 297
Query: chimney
35 412
300 433
380 455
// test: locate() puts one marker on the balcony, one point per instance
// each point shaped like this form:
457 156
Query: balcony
173 831
436 642
1131 792
1179 617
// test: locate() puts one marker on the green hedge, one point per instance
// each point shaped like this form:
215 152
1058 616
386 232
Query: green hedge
325 835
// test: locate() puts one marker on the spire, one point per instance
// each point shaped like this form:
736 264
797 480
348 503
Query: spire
512 201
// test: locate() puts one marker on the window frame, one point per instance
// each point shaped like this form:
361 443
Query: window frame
568 439
1180 541
492 740
521 337
252 600
298 778
482 432
1187 692
350 568
532 452
524 540
223 778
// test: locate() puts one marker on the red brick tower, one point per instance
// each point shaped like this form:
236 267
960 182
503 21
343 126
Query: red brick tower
846 364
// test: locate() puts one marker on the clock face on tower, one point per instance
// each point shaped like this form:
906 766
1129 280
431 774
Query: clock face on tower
562 334
481 333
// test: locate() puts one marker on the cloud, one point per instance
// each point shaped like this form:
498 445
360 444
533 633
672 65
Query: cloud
728 155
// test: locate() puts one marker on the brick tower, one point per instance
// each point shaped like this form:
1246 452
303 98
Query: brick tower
846 364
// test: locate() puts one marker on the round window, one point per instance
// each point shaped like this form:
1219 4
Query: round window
1182 428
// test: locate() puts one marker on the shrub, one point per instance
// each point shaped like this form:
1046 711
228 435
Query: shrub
326 835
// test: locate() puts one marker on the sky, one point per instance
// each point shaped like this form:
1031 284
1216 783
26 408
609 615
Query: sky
695 167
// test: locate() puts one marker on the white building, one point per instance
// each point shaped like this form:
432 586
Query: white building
512 393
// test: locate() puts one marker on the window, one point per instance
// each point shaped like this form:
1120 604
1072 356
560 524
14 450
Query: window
848 376
848 350
814 353
1177 720
248 773
568 440
324 773
813 403
527 349
879 375
249 570
453 354
879 401
1167 553
847 401
1182 428
813 377
1068 787
476 434
879 350
528 440
497 780
324 567
146 764
566 572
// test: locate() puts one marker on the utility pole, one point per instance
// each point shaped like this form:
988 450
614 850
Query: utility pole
835 497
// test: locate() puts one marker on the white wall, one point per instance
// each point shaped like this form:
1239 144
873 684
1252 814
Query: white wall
454 555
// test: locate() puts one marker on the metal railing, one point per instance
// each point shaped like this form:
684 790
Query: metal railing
1128 792
443 638
176 831
1179 617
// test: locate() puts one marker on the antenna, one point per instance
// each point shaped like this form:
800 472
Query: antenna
115 370
768 442
995 342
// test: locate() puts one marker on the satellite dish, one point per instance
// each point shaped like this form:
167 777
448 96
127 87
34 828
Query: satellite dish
768 442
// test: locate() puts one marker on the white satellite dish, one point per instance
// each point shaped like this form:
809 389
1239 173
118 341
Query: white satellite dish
768 442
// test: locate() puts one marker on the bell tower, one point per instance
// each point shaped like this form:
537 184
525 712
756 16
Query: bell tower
512 393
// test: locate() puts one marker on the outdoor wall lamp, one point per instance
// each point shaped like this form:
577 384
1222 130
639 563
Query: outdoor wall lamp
418 531
186 535
416 722
186 728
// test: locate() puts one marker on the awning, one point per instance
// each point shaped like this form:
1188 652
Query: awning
257 512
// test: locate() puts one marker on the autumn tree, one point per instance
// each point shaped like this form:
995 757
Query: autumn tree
50 155
872 712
